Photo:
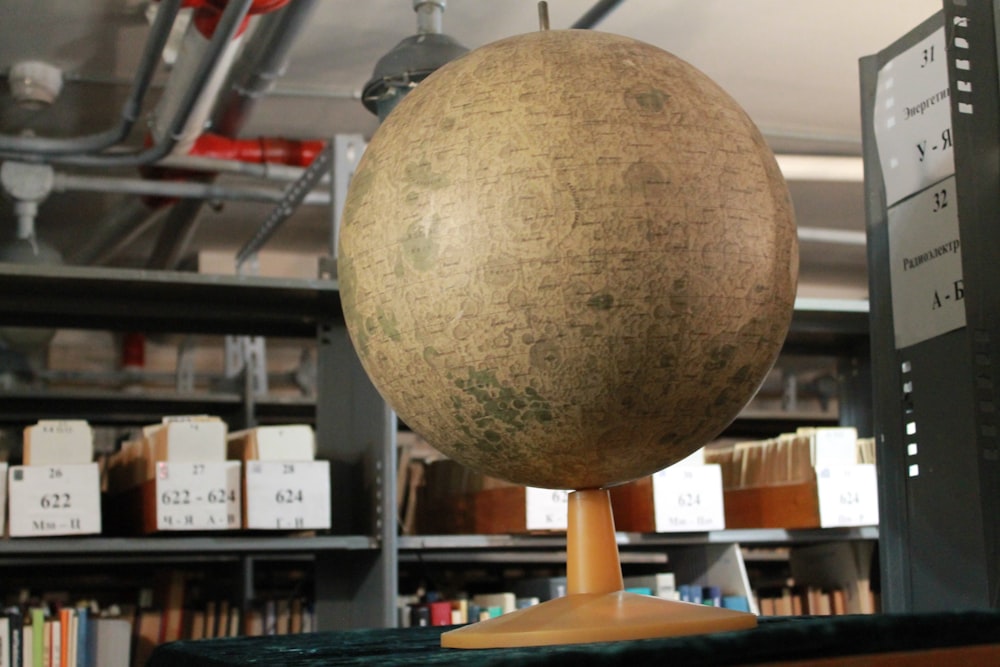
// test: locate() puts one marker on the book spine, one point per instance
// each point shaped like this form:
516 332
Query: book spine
38 637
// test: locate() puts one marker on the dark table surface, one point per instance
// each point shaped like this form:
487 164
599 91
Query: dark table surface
775 639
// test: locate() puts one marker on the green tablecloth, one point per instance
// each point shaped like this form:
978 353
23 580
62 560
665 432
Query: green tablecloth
775 639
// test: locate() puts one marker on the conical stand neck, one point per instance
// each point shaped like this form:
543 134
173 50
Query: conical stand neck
592 562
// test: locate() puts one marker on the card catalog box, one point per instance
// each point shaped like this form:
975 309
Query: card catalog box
48 500
287 495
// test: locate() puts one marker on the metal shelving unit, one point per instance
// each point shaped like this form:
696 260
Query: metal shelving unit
936 319
469 544
355 564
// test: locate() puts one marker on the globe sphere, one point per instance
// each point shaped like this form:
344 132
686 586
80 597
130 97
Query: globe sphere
567 259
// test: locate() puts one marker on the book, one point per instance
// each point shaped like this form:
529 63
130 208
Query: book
147 635
4 641
660 584
15 636
543 588
440 612
736 603
173 585
210 619
112 642
38 647
197 624
65 630
505 602
295 622
283 620
28 646
222 621
53 642
234 621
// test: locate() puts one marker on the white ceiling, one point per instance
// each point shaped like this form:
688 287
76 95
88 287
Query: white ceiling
792 65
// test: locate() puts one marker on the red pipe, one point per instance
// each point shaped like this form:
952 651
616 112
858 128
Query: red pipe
290 152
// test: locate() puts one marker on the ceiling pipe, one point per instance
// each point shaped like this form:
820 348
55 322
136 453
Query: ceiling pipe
267 171
32 147
263 60
596 14
63 182
291 152
229 25
193 51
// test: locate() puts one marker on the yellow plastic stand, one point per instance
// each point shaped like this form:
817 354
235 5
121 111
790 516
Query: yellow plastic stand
595 608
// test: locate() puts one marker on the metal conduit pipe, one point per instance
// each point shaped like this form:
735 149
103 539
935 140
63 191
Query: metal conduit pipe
64 182
32 147
429 16
264 59
268 171
596 14
229 25
263 62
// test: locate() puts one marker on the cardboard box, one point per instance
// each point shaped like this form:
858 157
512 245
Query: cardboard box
181 497
500 510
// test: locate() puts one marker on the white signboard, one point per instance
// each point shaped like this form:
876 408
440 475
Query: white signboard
198 496
688 499
288 495
912 119
546 509
54 500
848 495
926 265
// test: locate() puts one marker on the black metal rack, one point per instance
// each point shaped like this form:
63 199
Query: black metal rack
935 397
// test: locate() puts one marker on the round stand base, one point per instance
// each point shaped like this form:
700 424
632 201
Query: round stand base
596 617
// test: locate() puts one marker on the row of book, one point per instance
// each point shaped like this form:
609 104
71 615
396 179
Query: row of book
78 636
86 635
432 608
816 601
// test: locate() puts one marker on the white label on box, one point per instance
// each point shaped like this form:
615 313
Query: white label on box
54 500
688 498
848 495
198 496
545 509
288 495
